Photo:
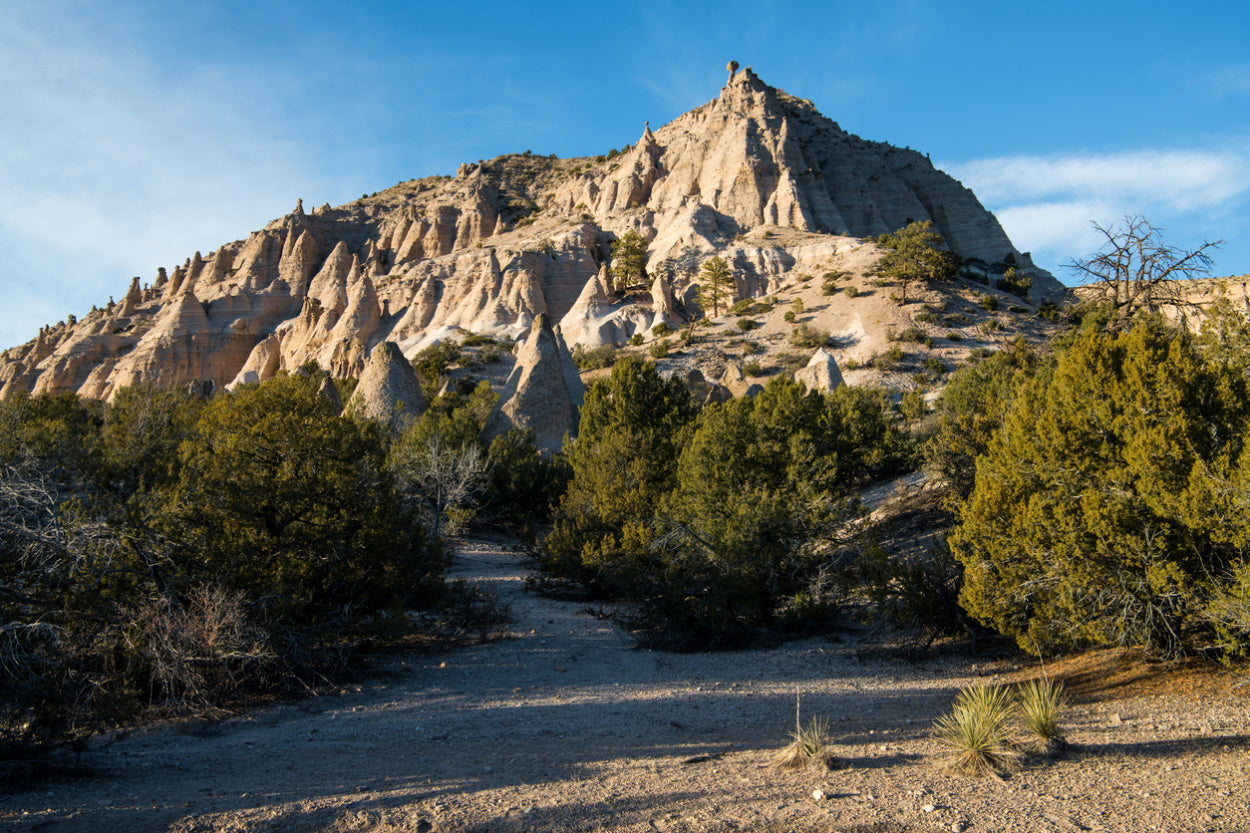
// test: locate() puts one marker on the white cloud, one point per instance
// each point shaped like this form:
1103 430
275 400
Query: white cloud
1047 204
114 164
1176 179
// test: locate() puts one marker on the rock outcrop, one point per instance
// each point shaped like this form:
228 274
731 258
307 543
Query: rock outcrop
821 373
544 392
388 390
757 176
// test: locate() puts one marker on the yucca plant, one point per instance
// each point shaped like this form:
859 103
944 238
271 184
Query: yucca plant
976 731
1040 703
808 747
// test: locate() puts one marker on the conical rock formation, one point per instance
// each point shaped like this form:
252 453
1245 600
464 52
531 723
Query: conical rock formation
388 390
543 393
821 373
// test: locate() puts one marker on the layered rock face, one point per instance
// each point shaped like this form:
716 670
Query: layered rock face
512 239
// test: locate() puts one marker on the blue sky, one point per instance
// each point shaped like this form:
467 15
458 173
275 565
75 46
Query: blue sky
133 133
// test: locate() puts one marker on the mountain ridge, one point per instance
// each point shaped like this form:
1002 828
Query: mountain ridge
509 239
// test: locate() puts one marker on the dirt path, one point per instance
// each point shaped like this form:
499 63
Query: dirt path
568 727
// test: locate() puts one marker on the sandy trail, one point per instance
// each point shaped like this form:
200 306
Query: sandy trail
566 726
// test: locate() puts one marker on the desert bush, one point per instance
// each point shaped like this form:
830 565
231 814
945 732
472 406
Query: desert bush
1039 704
808 337
890 359
636 340
523 484
989 303
662 329
911 334
658 349
808 747
852 291
976 731
594 358
1084 526
747 324
753 369
623 461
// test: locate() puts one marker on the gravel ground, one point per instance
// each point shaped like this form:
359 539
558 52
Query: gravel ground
565 726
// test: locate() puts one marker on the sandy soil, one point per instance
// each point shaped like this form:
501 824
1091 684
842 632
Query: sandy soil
566 726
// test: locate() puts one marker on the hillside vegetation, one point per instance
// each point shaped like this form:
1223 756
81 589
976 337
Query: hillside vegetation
164 552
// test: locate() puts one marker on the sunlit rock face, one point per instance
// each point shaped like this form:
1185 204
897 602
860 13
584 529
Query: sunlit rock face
756 176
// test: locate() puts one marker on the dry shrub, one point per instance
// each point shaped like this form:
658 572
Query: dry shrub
196 655
1040 702
808 747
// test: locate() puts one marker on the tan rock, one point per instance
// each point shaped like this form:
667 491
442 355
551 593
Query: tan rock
821 373
388 390
544 392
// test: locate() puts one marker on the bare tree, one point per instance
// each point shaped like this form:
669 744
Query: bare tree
443 481
1137 270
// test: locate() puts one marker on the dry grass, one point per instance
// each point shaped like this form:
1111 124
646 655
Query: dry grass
808 747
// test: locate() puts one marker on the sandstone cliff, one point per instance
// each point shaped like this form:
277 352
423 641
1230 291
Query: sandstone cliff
756 176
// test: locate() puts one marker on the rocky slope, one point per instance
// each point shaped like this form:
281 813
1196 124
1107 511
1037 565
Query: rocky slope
756 176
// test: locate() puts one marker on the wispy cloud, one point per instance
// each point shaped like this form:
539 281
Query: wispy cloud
114 164
1047 204
1230 81
1181 180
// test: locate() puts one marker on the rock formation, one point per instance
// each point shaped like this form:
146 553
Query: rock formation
388 390
756 175
821 373
544 392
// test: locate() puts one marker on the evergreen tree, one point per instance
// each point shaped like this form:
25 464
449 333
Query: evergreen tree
915 254
1102 508
623 461
629 260
716 286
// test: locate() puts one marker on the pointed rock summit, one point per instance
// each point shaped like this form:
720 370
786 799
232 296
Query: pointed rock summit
388 390
544 391
755 175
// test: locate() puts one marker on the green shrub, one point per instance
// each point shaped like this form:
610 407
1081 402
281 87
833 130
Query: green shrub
808 337
889 359
789 316
753 369
935 364
662 329
747 324
989 303
636 340
595 358
852 292
912 335
658 349
954 336
976 732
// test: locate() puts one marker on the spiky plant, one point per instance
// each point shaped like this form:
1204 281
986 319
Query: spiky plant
808 747
1041 701
976 731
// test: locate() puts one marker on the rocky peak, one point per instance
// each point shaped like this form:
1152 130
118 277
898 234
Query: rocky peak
756 176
